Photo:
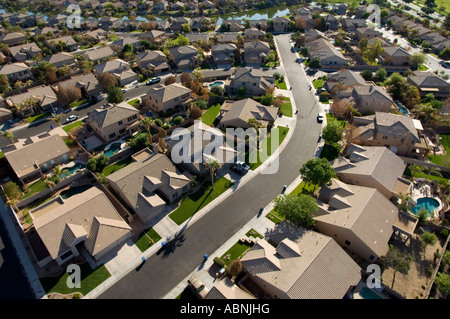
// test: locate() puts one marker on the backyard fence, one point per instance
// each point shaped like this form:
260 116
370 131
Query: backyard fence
423 163
437 265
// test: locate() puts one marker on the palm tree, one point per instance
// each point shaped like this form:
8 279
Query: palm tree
57 118
213 165
147 122
252 122
49 183
415 169
433 171
59 173
9 135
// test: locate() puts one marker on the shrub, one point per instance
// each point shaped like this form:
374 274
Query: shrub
218 262
267 100
444 232
158 122
177 120
202 104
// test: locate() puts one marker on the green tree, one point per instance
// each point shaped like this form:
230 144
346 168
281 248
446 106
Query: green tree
315 63
8 134
212 165
139 142
58 172
416 59
218 90
4 84
267 100
447 22
366 74
428 239
298 209
381 74
317 171
445 54
333 132
241 91
12 191
442 281
398 260
114 95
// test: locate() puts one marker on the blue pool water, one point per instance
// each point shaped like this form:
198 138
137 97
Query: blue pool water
113 149
217 83
427 203
74 168
366 293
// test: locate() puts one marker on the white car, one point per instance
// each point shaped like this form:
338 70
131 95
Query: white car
243 165
320 117
71 118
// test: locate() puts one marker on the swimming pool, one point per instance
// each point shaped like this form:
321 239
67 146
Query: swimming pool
73 169
427 203
113 149
367 293
216 83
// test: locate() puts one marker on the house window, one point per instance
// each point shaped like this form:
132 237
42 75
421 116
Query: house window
66 255
372 257
402 140
122 131
385 137
112 135
176 99
347 243
120 123
254 84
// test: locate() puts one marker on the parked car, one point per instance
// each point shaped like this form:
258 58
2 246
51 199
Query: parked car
71 118
153 80
320 117
238 169
123 90
243 165
445 64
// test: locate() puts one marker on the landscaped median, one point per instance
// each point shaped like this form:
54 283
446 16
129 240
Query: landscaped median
192 203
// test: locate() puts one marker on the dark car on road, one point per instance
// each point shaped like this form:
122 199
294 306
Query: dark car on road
238 169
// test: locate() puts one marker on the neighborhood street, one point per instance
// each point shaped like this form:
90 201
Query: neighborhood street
167 268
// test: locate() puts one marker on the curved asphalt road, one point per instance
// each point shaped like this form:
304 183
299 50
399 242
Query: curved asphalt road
163 271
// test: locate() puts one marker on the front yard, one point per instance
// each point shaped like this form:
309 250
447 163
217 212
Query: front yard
70 127
146 239
192 203
210 115
108 170
32 119
443 160
281 84
255 161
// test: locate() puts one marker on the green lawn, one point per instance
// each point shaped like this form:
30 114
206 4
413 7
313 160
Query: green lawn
34 188
443 160
304 188
318 83
133 102
108 170
331 117
236 251
38 117
1 154
69 127
253 233
210 115
77 103
286 109
146 239
274 217
196 201
281 85
254 163
89 280
422 67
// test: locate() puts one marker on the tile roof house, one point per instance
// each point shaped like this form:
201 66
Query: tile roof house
177 23
360 219
113 120
118 45
24 52
13 38
96 55
147 185
197 154
227 37
171 97
97 35
332 22
342 82
432 38
223 54
48 31
226 289
232 25
237 114
87 83
367 33
372 98
281 24
16 71
62 59
438 47
352 24
256 52
326 52
155 61
398 132
28 162
88 218
69 43
157 37
395 55
201 24
119 68
185 57
373 166
203 37
46 100
428 82
300 264
252 34
254 81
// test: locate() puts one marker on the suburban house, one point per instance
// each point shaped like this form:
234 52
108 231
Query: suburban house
67 43
400 133
326 52
366 33
341 83
360 219
87 83
155 36
62 59
148 183
5 114
372 98
109 23
373 166
185 57
178 22
24 52
44 99
16 71
201 24
118 45
428 82
281 24
161 25
352 24
97 35
87 220
153 61
31 160
254 81
171 97
13 38
160 6
201 37
256 52
48 32
224 54
211 148
238 113
119 68
226 289
227 37
295 263
432 38
253 34
113 120
395 55
332 22
97 55
232 25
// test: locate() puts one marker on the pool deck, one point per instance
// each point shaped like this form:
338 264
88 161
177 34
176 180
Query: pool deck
421 190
